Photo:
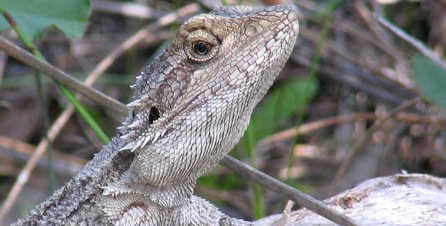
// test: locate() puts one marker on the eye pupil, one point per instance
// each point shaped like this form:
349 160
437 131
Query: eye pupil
201 47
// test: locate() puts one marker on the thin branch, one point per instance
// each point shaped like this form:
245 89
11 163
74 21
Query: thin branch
314 126
3 59
361 142
127 9
310 127
65 79
138 37
414 42
63 118
291 193
61 77
71 164
30 165
233 198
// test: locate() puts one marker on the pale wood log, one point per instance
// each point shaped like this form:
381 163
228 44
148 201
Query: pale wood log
402 199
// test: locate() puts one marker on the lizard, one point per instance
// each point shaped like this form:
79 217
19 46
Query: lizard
190 107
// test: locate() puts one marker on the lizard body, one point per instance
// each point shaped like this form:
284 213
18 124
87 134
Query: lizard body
191 105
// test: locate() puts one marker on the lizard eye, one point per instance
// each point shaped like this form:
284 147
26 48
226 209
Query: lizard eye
201 46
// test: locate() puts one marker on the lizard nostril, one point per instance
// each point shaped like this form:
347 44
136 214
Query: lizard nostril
251 30
293 16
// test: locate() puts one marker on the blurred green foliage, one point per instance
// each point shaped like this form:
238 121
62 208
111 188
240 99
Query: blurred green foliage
36 16
430 78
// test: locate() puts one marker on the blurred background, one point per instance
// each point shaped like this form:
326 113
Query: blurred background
355 101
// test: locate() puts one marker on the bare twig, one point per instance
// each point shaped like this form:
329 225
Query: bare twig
348 76
72 83
229 197
127 9
286 213
72 164
415 43
60 76
236 166
357 145
63 118
380 37
314 126
138 37
30 165
3 59
291 193
322 123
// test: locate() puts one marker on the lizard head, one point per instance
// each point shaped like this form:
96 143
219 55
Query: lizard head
201 91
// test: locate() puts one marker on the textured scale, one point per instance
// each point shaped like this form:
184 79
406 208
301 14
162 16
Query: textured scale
191 106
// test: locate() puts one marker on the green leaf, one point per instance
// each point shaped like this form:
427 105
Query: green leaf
35 16
430 78
281 104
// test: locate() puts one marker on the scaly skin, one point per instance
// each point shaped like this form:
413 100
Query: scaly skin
191 106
